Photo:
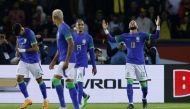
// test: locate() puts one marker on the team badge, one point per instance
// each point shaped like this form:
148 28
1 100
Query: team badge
83 41
138 39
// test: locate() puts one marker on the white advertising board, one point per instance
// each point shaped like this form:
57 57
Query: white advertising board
108 86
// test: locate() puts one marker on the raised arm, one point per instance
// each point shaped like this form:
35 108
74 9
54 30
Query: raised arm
157 33
108 35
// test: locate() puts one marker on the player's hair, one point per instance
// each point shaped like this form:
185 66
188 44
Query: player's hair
58 14
79 20
16 28
132 28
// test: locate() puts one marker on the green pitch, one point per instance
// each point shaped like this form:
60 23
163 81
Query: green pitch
105 106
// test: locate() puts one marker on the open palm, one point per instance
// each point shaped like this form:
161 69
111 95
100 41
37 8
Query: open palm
157 21
104 25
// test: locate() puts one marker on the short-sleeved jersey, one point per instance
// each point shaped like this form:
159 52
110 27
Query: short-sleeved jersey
63 34
135 46
25 42
83 43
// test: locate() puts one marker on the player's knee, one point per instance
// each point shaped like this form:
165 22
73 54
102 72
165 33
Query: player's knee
130 81
39 80
69 80
56 82
20 78
144 84
70 85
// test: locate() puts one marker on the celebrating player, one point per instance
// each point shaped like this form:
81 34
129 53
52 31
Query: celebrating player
135 58
28 51
65 46
83 43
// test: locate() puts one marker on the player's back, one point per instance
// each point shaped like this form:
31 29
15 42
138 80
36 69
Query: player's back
25 42
63 34
81 47
135 47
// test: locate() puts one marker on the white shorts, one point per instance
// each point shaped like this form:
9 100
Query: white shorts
69 73
134 70
80 74
24 69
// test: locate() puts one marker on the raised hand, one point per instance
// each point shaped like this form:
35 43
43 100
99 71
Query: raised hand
157 21
104 24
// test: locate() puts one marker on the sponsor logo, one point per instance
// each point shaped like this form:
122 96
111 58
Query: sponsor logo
109 84
105 84
181 83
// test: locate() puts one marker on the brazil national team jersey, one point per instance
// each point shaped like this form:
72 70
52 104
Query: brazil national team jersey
135 46
25 42
83 42
63 34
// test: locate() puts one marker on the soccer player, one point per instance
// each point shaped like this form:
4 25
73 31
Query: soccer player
134 41
65 46
28 51
83 43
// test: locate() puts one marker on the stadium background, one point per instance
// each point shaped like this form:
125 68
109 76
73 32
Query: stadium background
36 14
173 44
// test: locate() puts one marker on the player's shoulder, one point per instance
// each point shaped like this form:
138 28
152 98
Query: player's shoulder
74 33
87 35
65 26
28 32
142 33
124 35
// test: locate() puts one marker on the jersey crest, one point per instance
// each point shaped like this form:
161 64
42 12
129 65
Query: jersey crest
83 41
137 39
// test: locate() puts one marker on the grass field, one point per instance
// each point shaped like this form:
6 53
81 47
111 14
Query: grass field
105 106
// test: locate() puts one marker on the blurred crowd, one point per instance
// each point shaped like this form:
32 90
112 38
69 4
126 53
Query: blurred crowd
36 14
